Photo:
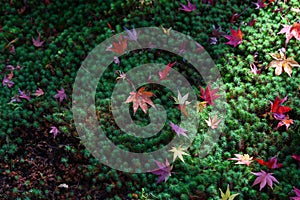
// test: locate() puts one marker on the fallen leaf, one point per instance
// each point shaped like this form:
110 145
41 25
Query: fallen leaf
213 122
178 152
242 159
39 92
209 95
235 38
163 74
179 131
277 109
166 31
282 63
270 164
118 47
227 195
37 42
291 31
140 99
189 7
163 171
61 95
264 178
285 122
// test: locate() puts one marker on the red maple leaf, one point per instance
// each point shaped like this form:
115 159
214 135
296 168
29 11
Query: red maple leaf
271 163
163 74
235 38
140 99
278 110
291 31
296 157
209 95
118 47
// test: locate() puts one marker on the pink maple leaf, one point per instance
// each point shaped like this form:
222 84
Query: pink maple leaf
163 171
37 42
179 131
264 178
242 159
39 92
189 7
254 70
291 31
296 157
297 192
61 95
235 38
54 131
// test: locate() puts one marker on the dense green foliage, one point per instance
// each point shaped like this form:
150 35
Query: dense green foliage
33 163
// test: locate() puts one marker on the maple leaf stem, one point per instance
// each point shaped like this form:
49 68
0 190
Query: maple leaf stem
131 83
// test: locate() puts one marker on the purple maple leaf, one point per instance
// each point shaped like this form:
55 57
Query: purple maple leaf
15 99
217 31
132 35
297 192
54 131
23 95
61 95
213 40
260 4
163 171
264 178
7 82
209 95
189 7
179 131
37 42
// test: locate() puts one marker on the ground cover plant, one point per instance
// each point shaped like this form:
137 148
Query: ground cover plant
254 45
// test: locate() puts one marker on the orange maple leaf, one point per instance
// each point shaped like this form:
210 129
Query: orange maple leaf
118 47
140 99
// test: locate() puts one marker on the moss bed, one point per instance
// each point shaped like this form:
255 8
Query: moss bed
37 163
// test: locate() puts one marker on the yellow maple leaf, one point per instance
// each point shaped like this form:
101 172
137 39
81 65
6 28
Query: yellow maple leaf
282 63
227 195
178 152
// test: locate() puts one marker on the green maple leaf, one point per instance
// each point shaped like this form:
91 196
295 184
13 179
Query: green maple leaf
227 195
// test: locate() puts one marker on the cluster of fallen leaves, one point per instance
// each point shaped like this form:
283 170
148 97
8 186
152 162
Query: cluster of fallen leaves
281 63
142 99
17 98
263 178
